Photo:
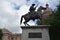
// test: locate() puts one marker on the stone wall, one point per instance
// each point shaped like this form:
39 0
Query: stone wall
7 35
40 32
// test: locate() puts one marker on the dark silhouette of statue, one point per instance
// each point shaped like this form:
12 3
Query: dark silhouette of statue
32 10
35 14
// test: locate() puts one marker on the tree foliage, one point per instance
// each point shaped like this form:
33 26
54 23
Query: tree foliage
1 34
54 21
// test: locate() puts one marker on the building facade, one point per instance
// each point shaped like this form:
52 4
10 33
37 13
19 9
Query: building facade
7 35
46 12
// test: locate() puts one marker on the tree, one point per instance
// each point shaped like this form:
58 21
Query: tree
1 34
54 21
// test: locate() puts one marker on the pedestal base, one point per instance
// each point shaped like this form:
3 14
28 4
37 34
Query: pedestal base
40 32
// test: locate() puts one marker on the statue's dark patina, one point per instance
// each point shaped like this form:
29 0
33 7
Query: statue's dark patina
35 15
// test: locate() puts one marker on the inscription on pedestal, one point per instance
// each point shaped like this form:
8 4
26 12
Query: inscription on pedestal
35 35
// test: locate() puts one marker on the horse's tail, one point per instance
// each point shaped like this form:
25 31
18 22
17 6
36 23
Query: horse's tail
21 19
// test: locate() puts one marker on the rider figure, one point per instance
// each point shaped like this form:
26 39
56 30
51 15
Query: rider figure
32 9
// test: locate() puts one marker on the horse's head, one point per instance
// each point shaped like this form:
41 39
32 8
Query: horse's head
41 8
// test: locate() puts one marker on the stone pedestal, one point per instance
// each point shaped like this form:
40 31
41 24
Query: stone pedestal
40 32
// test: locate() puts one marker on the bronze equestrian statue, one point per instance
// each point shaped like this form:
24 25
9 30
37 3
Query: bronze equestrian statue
32 15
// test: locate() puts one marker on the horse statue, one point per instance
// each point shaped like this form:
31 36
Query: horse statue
37 15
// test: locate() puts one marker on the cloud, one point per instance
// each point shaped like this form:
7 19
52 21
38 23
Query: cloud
52 3
30 2
8 17
12 10
15 6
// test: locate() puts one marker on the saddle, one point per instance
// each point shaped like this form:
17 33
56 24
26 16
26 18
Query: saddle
32 14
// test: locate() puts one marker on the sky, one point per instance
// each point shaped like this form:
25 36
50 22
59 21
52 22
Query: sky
12 10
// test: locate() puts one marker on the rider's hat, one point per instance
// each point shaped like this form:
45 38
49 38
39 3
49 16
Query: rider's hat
33 4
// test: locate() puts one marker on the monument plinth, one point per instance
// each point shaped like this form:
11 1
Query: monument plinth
40 32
